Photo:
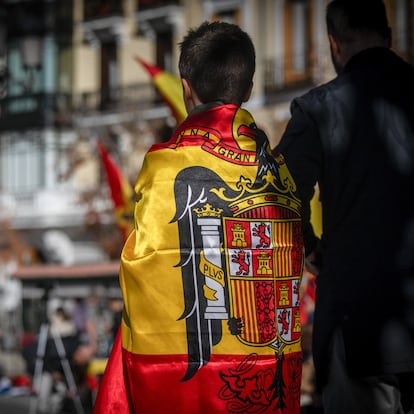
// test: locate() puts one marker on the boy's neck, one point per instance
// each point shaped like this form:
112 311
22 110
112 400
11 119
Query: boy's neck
204 106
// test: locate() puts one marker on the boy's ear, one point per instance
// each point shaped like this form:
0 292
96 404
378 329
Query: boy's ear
187 90
248 93
190 97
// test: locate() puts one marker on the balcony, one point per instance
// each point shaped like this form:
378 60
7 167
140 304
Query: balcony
30 111
38 111
122 104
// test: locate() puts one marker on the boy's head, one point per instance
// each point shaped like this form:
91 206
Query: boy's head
217 62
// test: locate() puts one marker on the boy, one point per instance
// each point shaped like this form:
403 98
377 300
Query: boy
211 273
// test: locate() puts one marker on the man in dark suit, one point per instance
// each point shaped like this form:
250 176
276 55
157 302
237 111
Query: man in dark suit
354 136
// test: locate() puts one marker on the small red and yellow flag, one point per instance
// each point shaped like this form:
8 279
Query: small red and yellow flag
169 87
121 192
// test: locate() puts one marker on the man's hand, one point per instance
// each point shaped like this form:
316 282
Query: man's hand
313 262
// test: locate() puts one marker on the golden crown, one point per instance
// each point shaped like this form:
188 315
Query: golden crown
208 211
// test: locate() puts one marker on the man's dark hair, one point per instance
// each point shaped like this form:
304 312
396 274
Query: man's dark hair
218 60
347 18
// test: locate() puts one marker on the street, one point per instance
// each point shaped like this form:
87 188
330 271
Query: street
20 404
14 404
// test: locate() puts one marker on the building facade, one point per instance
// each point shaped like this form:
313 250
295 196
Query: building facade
68 77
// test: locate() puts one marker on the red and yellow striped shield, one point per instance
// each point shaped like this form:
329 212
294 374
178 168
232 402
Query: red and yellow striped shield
264 278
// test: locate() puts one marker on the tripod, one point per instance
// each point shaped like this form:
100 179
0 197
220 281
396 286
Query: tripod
40 356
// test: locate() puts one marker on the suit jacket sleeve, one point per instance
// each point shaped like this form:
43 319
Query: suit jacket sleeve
301 147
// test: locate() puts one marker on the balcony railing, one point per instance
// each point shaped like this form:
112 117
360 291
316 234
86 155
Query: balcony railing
59 109
32 110
278 81
122 98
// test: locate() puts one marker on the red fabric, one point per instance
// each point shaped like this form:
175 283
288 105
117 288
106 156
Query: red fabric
113 176
228 383
112 396
152 70
308 293
121 192
241 384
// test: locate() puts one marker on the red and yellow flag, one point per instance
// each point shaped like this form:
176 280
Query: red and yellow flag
210 278
121 192
169 87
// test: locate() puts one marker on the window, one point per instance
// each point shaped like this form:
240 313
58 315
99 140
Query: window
109 73
21 163
161 25
299 48
101 8
401 26
289 64
297 42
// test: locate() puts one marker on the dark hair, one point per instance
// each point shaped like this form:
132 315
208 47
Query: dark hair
218 60
347 18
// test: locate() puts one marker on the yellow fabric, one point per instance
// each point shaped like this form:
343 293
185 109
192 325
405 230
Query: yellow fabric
316 214
97 366
150 277
170 88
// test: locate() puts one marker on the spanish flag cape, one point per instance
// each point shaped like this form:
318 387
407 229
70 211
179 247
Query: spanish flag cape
210 277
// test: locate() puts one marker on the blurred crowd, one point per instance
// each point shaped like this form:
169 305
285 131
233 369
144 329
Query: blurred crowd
87 327
77 333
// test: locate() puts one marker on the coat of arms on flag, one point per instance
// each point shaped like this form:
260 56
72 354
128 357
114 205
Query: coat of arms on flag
241 263
263 293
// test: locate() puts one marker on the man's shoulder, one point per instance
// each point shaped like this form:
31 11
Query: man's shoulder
317 95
